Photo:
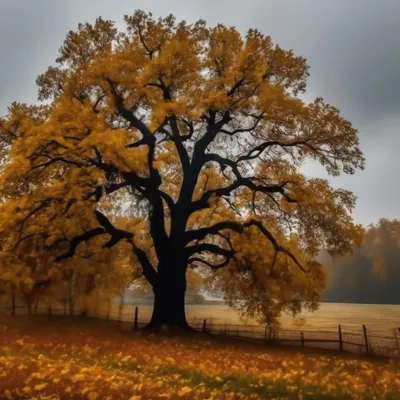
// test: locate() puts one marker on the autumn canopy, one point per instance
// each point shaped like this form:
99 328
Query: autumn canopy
171 147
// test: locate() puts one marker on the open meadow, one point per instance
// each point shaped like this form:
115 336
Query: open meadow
77 358
380 319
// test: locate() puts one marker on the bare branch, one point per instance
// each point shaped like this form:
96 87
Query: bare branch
97 103
242 130
116 234
106 227
148 270
210 248
76 241
245 182
256 151
167 198
212 266
200 234
128 115
237 227
274 242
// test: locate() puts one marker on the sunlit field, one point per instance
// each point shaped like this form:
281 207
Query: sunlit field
76 358
380 319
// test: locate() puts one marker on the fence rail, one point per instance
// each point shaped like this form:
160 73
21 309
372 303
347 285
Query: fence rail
333 340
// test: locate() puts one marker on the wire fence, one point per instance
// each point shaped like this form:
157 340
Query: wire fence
357 342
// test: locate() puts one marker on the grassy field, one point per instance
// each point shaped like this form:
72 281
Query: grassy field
380 319
75 358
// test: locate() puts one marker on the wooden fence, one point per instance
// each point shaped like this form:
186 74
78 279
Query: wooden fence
362 342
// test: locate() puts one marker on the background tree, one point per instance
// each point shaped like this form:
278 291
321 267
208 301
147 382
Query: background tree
371 274
194 136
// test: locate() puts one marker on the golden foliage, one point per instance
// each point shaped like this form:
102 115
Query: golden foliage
168 127
88 363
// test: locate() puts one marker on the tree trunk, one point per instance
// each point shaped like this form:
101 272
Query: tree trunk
169 303
70 297
37 304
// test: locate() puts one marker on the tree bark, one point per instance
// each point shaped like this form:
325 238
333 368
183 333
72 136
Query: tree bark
169 302
36 304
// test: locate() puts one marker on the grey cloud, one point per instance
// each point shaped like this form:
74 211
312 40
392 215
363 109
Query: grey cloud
353 49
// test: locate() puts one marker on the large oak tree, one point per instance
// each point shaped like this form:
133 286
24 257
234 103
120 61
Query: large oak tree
184 141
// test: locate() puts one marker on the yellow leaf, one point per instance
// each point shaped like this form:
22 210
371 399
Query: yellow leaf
184 390
40 387
78 377
8 395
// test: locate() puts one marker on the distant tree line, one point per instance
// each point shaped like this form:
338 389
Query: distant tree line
372 274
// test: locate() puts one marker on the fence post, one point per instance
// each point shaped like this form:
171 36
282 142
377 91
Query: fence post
302 338
108 309
366 338
36 306
13 304
340 338
395 337
49 310
204 327
135 326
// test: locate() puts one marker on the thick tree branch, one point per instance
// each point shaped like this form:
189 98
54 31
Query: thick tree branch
176 135
157 222
42 205
148 271
213 128
55 160
150 52
76 241
106 227
216 229
100 98
128 115
241 182
257 151
200 234
173 124
116 236
274 242
212 266
167 198
242 130
142 142
210 248
236 86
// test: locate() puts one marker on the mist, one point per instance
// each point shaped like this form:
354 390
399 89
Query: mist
372 274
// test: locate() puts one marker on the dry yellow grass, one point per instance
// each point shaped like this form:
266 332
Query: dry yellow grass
74 358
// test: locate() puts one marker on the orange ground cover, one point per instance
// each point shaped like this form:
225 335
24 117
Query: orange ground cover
76 358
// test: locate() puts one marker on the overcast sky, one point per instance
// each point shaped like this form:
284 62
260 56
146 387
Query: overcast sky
352 47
